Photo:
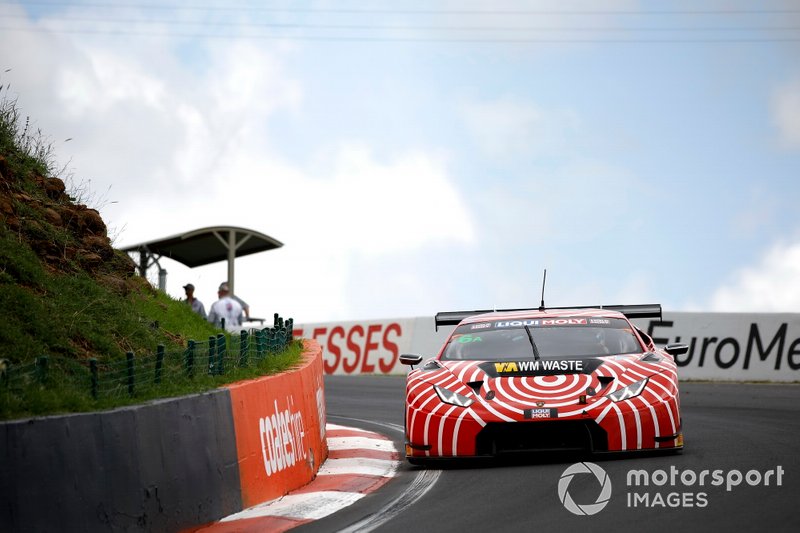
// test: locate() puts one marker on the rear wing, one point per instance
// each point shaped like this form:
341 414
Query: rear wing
452 318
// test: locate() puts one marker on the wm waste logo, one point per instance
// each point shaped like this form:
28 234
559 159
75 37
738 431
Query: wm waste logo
506 367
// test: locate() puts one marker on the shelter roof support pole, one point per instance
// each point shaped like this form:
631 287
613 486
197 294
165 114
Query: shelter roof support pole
144 258
231 246
148 259
231 258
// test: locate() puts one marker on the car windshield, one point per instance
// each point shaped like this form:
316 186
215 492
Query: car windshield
554 338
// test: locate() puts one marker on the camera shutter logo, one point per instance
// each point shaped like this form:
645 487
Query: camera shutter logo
602 498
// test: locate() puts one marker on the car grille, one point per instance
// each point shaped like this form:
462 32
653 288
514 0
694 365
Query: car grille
555 435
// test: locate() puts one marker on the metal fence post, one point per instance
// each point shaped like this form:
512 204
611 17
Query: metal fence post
260 344
268 341
95 380
190 358
212 351
131 375
221 350
159 363
243 348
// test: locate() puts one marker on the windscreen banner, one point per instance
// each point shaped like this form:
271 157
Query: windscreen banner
722 346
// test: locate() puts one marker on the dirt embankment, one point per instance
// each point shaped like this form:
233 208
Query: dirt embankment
66 236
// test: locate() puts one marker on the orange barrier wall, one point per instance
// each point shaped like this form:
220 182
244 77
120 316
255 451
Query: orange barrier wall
279 423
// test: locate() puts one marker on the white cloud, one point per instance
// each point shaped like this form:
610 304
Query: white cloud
184 132
364 210
773 285
786 113
104 80
393 207
167 146
510 127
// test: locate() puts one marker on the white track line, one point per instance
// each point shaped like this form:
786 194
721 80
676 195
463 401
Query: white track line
308 506
361 443
318 504
359 465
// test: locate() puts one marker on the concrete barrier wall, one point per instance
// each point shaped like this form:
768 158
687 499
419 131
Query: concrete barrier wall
280 429
723 346
164 466
157 467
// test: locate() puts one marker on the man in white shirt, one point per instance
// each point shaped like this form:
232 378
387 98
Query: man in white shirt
245 305
226 308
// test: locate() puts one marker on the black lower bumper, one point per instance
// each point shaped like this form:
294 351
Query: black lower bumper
556 435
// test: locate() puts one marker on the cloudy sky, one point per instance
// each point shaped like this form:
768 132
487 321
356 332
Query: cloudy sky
421 156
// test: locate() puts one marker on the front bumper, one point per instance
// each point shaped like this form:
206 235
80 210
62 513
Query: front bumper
641 423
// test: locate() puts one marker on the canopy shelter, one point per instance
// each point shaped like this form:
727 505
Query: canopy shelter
202 247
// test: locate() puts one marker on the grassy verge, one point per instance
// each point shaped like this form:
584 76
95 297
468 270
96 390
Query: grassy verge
66 386
70 303
71 319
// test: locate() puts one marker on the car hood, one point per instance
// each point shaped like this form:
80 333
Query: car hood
551 383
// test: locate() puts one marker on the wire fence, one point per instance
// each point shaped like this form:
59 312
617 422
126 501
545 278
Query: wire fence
141 375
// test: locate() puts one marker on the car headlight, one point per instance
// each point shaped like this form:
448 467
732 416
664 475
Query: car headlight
453 398
626 393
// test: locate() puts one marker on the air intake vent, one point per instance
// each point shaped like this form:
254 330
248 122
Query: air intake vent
475 386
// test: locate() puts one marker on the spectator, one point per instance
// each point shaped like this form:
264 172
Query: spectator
227 309
245 305
196 305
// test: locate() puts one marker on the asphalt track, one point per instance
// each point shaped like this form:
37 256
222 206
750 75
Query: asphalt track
734 428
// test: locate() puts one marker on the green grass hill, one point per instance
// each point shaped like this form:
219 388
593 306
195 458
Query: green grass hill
65 292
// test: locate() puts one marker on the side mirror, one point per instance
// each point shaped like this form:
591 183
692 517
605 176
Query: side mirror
410 359
676 349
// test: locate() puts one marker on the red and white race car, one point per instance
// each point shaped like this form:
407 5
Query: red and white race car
542 380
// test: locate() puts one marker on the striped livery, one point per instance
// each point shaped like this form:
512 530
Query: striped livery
462 406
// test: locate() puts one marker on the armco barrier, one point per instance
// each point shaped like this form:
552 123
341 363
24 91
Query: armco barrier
168 465
722 346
